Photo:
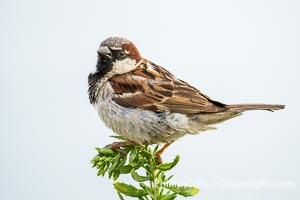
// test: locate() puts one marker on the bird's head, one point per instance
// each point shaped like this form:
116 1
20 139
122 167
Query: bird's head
117 55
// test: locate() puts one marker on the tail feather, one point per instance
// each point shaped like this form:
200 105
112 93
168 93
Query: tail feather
234 110
245 107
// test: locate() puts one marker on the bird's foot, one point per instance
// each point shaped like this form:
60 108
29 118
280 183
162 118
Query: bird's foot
117 146
159 160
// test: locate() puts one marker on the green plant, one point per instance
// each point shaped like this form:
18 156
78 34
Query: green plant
140 162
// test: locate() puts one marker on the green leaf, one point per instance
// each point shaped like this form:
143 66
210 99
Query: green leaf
96 158
160 174
120 196
169 196
183 190
95 161
100 163
146 154
114 162
121 163
148 189
129 190
133 155
116 174
106 151
155 149
125 169
101 170
168 166
139 165
168 178
112 170
139 178
97 149
107 159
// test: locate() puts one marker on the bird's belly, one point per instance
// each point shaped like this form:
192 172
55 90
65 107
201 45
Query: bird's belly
142 126
133 124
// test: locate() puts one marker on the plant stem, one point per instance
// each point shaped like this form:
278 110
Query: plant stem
155 183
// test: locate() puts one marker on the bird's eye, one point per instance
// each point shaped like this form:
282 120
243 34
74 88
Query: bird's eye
122 54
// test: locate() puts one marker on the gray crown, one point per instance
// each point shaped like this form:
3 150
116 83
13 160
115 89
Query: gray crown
114 42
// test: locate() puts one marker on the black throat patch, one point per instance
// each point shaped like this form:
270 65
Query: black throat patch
104 65
93 80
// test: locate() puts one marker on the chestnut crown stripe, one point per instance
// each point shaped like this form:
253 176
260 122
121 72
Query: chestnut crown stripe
133 52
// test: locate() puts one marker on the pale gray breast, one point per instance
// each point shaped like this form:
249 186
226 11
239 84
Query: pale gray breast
138 125
143 126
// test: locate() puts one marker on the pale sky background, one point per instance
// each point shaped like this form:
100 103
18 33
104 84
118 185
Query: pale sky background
233 51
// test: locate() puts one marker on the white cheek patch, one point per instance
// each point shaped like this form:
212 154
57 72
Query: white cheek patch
123 66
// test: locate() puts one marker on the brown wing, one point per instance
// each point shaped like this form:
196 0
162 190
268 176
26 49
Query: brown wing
151 87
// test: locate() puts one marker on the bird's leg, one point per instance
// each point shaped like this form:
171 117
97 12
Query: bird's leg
158 154
117 146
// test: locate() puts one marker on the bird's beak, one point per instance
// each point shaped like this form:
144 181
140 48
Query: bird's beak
105 54
104 51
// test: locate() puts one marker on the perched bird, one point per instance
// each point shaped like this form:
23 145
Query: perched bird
146 104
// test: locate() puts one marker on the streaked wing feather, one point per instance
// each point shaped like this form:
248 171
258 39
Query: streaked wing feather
151 87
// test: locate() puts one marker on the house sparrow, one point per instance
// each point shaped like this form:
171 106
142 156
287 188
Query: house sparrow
146 104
